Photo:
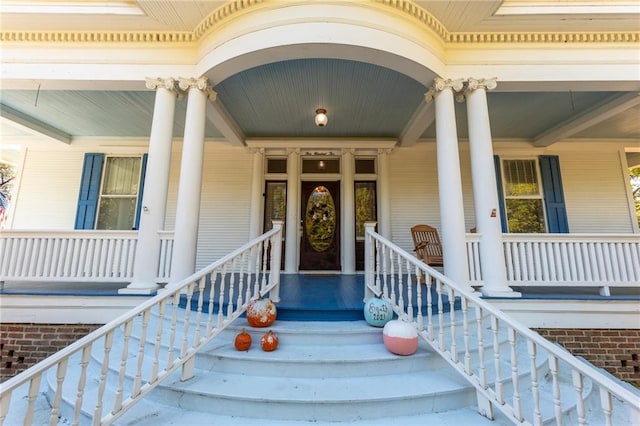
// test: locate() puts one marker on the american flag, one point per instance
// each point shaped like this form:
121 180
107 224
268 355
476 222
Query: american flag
4 206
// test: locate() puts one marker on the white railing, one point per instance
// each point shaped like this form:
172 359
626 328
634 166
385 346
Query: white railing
467 331
575 260
80 255
164 336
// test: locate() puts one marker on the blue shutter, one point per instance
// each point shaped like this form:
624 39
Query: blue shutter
553 194
89 191
143 172
503 214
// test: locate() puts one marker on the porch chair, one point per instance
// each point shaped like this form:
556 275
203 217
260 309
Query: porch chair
427 244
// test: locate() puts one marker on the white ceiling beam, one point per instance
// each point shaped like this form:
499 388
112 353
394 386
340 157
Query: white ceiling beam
222 120
34 125
420 121
608 108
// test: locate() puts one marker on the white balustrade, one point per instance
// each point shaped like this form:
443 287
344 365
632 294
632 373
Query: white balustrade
193 311
81 255
577 260
514 370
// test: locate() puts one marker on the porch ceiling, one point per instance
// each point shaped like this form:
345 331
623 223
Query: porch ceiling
278 100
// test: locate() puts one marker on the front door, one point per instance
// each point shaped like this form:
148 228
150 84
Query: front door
320 237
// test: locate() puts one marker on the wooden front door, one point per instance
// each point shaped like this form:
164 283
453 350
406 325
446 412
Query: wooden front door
320 217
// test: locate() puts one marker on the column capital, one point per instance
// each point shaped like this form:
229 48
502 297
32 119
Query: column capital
201 84
482 83
440 84
158 82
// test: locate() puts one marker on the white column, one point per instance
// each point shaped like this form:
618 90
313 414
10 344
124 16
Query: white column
189 188
449 183
292 227
485 196
348 221
257 199
154 198
384 195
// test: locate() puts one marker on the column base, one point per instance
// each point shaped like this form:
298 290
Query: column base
502 292
139 289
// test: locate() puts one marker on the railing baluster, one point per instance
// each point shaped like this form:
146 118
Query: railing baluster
416 275
186 321
409 289
102 381
466 332
515 378
158 341
557 398
607 407
34 390
117 404
137 381
82 381
61 371
578 386
201 295
430 330
232 283
213 277
482 369
535 387
221 293
496 360
173 330
440 315
452 324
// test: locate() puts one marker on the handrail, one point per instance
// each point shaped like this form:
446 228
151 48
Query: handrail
395 274
219 293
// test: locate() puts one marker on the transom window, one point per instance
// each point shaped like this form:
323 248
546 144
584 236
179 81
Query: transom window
119 193
523 196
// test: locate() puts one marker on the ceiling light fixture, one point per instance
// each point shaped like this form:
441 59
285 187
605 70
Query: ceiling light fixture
321 117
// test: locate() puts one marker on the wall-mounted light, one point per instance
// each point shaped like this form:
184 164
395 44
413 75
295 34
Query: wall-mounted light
321 117
321 165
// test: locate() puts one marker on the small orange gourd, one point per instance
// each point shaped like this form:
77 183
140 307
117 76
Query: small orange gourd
269 341
242 341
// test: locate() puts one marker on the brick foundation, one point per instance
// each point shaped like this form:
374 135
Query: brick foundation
24 345
614 350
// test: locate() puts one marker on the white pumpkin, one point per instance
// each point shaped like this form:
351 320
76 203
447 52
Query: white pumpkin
400 337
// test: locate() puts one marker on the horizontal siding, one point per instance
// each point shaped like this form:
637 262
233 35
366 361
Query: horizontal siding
225 202
414 191
595 192
48 192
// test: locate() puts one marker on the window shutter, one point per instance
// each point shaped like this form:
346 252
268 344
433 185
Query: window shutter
89 191
553 194
503 214
143 172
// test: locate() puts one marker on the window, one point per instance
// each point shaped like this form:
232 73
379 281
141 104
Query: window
523 196
110 192
119 193
531 195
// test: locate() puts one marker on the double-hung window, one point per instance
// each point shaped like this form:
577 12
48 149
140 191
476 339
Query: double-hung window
523 196
531 195
110 192
119 193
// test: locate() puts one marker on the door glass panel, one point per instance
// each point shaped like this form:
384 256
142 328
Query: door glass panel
365 193
275 205
320 219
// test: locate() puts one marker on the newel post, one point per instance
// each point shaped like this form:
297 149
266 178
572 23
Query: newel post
369 260
276 254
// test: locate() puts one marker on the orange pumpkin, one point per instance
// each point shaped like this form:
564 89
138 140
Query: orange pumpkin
269 341
261 312
242 341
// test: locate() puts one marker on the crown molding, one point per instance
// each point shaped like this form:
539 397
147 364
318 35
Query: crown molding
236 7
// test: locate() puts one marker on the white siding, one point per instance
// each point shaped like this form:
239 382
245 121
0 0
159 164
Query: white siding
48 192
225 203
414 191
594 190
